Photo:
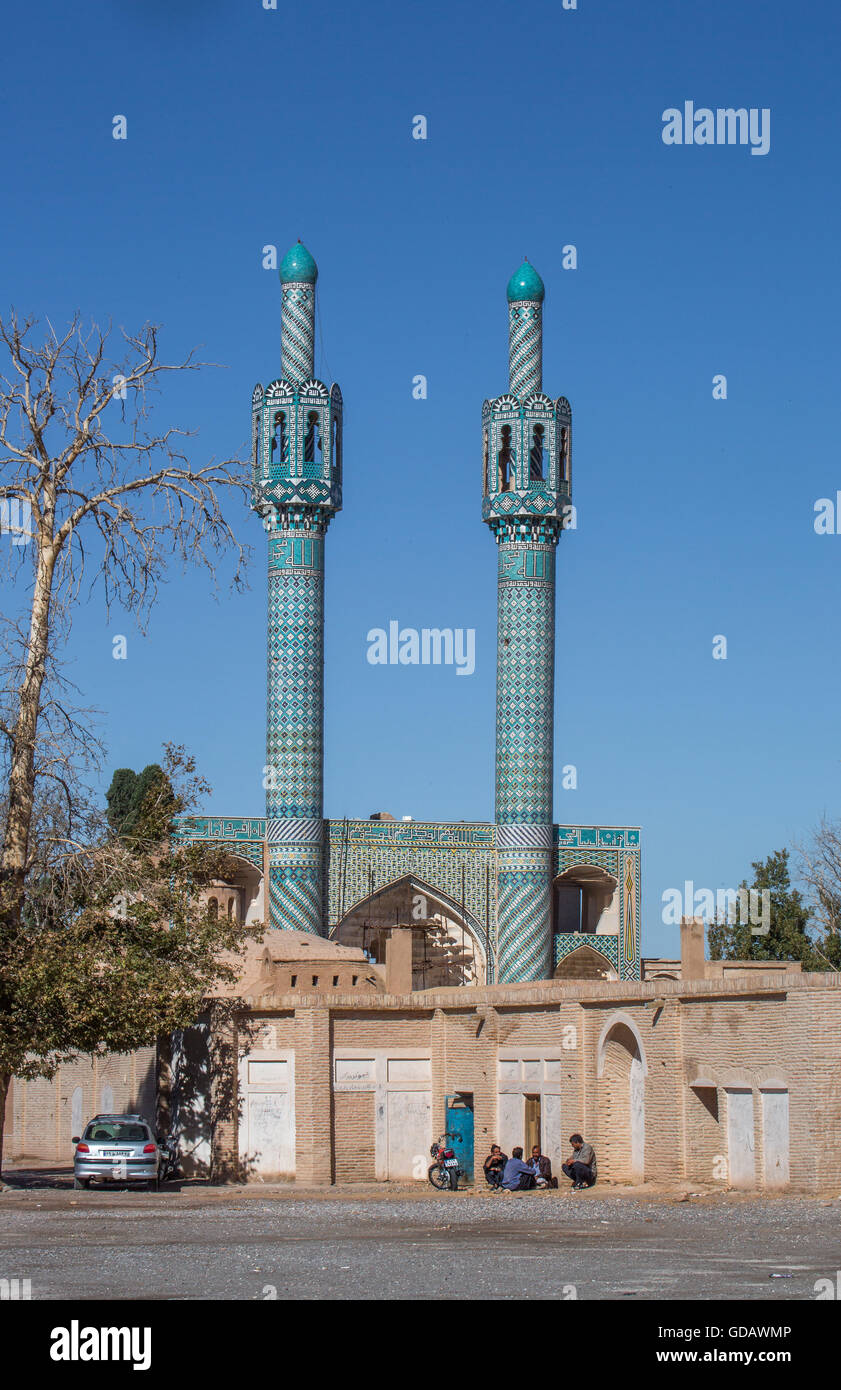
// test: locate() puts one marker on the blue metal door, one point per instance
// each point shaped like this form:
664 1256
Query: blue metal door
460 1124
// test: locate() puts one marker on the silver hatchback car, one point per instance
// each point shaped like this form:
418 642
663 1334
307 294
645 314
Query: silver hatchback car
116 1148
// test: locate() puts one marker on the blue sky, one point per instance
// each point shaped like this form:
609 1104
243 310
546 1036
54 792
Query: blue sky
249 127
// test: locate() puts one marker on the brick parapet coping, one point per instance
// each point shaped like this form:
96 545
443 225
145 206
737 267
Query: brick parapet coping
553 992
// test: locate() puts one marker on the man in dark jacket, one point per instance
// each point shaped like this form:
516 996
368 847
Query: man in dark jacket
582 1164
494 1166
542 1168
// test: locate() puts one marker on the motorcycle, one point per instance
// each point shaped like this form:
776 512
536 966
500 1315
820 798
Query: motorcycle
445 1172
168 1161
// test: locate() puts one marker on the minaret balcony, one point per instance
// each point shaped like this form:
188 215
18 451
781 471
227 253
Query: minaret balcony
297 446
526 455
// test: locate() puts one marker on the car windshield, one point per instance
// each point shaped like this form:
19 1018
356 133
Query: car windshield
116 1131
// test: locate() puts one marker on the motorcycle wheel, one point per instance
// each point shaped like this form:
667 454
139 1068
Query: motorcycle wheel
439 1177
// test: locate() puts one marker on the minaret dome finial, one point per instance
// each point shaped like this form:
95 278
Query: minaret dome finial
525 284
298 266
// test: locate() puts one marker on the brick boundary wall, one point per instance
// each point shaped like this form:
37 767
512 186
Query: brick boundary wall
772 1031
700 1042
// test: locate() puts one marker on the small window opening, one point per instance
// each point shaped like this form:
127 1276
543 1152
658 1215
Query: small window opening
505 460
563 454
280 438
337 446
537 455
312 439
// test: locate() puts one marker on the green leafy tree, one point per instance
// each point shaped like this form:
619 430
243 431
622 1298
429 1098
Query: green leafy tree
119 797
791 933
113 947
129 794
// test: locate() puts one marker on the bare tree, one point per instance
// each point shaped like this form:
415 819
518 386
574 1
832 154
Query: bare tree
819 863
90 493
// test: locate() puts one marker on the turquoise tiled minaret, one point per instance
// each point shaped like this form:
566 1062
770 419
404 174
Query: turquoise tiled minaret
496 879
297 486
526 486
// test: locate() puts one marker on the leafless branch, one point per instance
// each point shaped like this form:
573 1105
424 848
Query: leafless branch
109 501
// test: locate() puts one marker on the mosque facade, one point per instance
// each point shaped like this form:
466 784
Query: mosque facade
482 979
512 900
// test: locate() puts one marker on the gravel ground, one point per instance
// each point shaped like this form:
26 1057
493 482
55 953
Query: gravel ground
202 1243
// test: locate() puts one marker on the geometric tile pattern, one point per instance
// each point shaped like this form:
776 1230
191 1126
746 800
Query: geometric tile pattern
525 690
459 861
524 899
535 501
525 347
602 859
524 757
297 337
608 946
629 923
525 835
294 830
295 897
295 732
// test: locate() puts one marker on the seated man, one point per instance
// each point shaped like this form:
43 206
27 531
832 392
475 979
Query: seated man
517 1177
542 1168
494 1166
582 1164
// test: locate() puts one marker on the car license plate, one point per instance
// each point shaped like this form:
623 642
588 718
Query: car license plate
450 1162
116 1153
